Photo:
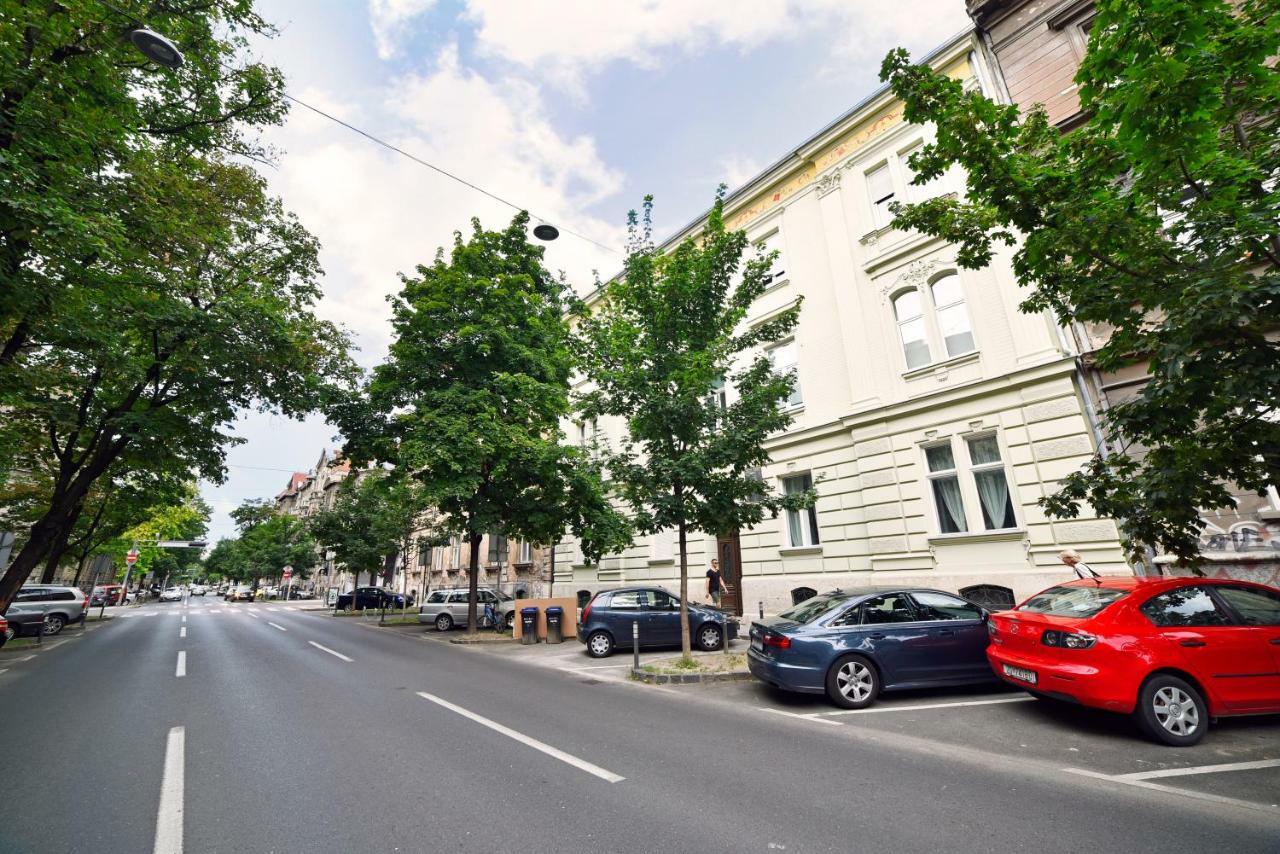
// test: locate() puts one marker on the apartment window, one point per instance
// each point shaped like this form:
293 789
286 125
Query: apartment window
660 544
944 483
880 191
455 545
497 549
908 307
992 483
525 552
773 243
719 397
802 525
785 361
933 320
424 553
952 315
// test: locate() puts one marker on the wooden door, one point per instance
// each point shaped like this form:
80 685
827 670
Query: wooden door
729 552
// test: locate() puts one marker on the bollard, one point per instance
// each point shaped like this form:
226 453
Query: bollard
761 603
635 644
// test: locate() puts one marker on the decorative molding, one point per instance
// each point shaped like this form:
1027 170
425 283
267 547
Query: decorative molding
829 182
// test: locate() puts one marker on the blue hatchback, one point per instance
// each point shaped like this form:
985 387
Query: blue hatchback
610 617
853 644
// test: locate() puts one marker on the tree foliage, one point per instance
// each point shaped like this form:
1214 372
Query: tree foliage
268 542
667 332
1157 220
469 399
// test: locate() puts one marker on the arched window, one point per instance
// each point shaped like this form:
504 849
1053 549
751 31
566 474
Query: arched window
908 306
933 320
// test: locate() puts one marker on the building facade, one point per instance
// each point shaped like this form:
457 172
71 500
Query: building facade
1036 49
930 414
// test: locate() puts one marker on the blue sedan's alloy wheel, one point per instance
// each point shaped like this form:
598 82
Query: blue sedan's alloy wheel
852 682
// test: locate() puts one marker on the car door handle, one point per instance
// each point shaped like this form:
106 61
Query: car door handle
876 636
945 633
1191 643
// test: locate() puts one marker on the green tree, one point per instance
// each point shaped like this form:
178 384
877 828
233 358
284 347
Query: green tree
668 331
1156 219
471 394
210 313
185 519
270 541
223 560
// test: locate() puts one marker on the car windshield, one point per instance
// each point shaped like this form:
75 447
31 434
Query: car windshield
1072 601
811 609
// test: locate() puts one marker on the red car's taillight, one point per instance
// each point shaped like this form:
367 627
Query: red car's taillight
775 641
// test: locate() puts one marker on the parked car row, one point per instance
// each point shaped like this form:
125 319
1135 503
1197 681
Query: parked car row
1171 652
51 606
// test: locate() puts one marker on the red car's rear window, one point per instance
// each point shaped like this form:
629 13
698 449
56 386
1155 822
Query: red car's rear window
1072 601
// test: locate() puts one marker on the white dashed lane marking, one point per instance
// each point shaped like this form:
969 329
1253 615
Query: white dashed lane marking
169 814
181 669
277 625
330 651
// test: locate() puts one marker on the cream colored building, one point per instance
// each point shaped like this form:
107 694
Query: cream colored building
930 413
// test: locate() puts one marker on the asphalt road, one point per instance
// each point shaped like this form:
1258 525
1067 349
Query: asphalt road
293 731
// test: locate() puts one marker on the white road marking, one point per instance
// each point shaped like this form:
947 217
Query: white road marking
331 652
182 632
24 658
251 614
5 670
274 609
169 813
277 625
1201 769
912 708
814 718
567 758
184 618
1173 790
56 644
182 664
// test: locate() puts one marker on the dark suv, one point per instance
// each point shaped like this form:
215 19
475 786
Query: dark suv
372 597
608 619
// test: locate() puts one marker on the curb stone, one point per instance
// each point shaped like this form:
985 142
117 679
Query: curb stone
689 678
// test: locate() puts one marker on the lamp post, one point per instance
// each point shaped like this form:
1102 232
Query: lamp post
158 48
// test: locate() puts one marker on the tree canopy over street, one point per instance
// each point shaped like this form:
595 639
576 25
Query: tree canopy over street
1156 220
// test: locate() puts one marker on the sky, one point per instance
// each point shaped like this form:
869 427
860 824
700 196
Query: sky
572 109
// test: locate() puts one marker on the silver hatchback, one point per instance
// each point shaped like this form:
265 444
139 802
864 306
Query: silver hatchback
60 606
448 608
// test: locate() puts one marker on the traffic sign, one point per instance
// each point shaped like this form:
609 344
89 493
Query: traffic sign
132 557
288 573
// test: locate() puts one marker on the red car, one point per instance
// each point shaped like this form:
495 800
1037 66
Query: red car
4 631
1173 652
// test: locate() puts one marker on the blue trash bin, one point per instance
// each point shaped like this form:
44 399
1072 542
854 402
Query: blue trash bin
555 624
528 625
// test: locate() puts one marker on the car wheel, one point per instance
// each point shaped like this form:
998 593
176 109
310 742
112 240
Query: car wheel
443 623
1171 711
853 683
710 637
600 645
53 624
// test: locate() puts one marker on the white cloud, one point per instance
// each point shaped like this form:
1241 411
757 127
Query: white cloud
567 39
388 18
737 169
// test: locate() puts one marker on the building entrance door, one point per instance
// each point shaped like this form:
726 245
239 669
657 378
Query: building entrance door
729 551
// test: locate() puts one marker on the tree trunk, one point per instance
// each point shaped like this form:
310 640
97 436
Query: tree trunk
473 581
686 650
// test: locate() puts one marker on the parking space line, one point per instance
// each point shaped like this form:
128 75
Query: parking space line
181 669
277 625
24 658
1122 780
1201 769
528 741
331 652
813 718
169 812
916 706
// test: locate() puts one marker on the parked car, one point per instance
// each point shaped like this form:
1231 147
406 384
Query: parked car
607 621
5 632
370 597
292 593
173 594
240 593
199 590
59 606
106 594
448 607
852 645
1172 652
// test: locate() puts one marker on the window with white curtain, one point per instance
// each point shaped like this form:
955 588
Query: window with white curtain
524 553
952 315
773 243
661 544
785 359
944 484
933 320
991 482
802 525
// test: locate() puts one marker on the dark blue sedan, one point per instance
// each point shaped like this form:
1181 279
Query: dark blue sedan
853 644
609 619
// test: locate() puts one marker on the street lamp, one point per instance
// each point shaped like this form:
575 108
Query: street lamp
156 47
546 232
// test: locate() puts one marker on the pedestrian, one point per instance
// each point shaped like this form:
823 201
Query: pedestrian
715 584
1072 558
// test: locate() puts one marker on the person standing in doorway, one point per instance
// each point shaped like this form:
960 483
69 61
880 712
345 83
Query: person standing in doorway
715 584
1072 558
